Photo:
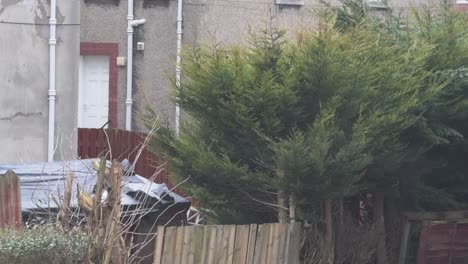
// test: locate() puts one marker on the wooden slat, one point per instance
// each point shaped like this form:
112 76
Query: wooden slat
6 201
225 244
178 245
203 255
231 235
294 243
219 247
169 245
16 200
191 242
269 247
159 245
252 243
92 143
282 237
212 246
241 244
187 249
258 244
268 243
84 144
267 239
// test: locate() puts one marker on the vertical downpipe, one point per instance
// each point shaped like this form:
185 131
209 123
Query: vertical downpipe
129 100
52 91
178 70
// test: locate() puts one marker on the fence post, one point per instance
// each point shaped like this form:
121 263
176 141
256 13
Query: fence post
10 201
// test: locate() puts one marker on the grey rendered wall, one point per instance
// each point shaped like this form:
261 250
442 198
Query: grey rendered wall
106 21
24 66
229 21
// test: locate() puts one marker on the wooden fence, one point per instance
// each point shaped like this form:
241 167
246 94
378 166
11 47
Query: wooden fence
10 201
229 244
120 144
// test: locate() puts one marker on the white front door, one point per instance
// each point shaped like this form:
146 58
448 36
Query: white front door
93 101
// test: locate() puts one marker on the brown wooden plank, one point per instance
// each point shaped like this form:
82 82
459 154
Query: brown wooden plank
6 201
212 245
11 176
287 244
273 246
187 249
84 144
92 143
241 244
115 143
179 245
267 239
282 237
158 245
169 245
219 247
231 231
294 243
197 245
203 255
252 243
259 243
17 213
225 244
269 246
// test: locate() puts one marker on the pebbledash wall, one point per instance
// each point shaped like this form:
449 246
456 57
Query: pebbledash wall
99 27
24 79
204 21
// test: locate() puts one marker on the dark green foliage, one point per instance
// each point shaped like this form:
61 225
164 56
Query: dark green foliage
346 108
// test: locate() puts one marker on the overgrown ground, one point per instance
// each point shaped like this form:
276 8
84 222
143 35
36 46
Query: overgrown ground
43 244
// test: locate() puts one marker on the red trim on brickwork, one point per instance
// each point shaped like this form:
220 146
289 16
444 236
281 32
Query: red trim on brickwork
111 50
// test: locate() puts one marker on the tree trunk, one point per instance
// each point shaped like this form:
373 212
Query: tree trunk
282 199
393 228
339 231
329 245
282 205
379 220
292 207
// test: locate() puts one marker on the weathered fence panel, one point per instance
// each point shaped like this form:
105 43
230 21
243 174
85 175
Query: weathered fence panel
121 144
10 201
443 243
229 244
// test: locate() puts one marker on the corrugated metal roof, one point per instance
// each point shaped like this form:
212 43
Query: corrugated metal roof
42 186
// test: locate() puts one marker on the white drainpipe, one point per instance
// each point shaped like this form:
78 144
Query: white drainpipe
178 71
131 23
52 92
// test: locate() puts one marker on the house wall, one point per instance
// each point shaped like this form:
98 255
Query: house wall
24 79
205 21
106 22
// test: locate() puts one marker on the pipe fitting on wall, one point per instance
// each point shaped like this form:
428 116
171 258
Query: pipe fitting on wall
138 22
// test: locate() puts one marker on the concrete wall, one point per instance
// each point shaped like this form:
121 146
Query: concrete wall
106 21
205 21
24 78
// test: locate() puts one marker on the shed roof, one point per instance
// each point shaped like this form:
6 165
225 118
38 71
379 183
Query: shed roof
43 184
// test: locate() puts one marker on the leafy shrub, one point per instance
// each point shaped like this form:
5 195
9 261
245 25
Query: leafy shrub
44 244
